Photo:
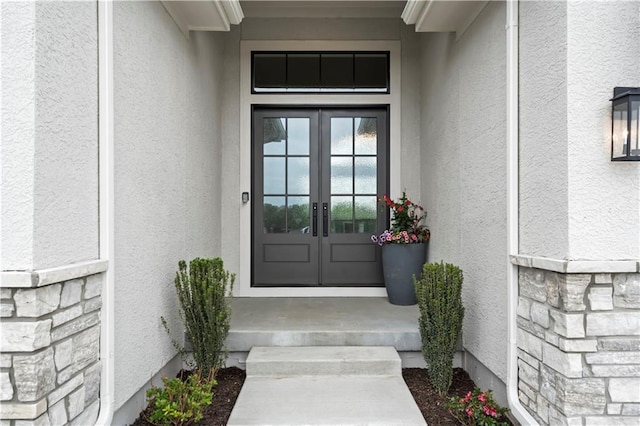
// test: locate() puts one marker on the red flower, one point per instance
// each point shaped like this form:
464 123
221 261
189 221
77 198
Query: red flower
400 209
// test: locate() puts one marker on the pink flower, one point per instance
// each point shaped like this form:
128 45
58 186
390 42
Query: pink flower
481 397
469 412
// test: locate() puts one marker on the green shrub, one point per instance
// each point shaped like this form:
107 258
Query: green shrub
441 313
204 308
180 402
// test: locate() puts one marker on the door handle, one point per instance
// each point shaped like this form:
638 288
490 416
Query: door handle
315 219
325 220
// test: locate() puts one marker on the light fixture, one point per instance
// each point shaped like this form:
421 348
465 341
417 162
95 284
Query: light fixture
625 124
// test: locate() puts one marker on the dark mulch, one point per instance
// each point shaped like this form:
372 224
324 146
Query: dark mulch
226 392
431 404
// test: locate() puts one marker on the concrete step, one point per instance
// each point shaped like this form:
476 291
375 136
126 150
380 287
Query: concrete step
323 385
325 400
323 360
322 321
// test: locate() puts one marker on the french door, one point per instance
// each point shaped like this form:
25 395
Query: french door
316 175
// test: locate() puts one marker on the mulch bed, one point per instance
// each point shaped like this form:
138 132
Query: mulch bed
431 404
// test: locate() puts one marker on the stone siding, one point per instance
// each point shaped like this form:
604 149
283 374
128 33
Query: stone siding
50 354
579 347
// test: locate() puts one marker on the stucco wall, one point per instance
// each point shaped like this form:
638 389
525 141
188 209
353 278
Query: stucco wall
167 93
574 202
604 200
463 173
50 134
543 129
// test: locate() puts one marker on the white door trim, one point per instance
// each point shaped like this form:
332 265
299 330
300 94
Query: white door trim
247 99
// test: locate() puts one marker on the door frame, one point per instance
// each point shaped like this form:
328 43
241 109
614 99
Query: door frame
392 99
320 110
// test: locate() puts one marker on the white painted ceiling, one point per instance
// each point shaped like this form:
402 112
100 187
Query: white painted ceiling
322 8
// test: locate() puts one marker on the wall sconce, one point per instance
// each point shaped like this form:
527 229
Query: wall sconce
625 124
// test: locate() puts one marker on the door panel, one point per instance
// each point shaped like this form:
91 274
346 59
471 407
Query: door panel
316 176
353 155
285 181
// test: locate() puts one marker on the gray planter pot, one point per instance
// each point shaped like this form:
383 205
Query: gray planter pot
400 262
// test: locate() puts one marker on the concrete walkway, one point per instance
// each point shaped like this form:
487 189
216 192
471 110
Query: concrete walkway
325 385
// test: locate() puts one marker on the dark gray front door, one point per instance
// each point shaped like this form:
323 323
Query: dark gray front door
316 175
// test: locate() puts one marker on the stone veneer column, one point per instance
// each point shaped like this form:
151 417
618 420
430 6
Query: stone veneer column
579 347
50 353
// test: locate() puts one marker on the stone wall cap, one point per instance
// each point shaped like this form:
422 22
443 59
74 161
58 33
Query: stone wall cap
576 266
42 277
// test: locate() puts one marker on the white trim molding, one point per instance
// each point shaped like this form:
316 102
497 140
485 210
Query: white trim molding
247 99
209 15
442 16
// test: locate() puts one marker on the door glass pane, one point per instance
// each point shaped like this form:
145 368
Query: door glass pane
298 133
274 175
371 71
365 215
341 136
366 136
341 175
298 176
303 70
341 215
365 175
269 71
274 215
274 136
337 70
298 215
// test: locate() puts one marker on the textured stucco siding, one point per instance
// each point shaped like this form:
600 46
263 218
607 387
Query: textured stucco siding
574 202
167 178
543 129
464 173
50 134
604 200
411 76
17 68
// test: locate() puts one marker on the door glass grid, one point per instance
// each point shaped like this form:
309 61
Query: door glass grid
354 181
286 175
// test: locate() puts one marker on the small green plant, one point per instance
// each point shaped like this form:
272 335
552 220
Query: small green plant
205 311
180 402
438 291
477 408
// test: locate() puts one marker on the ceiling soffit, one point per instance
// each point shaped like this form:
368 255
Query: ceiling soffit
204 15
442 15
426 15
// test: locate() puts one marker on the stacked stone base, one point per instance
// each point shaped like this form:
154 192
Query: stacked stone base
579 347
50 361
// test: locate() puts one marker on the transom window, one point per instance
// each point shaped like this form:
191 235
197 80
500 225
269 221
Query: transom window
319 72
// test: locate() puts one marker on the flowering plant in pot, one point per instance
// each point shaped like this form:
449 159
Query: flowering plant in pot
406 223
404 248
